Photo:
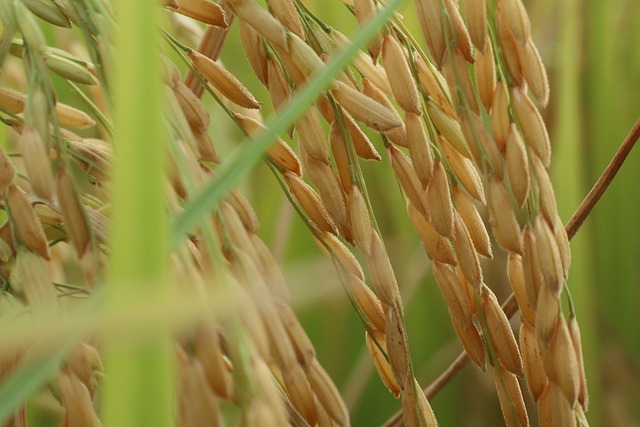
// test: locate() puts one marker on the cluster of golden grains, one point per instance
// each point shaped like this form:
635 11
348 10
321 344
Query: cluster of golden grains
471 134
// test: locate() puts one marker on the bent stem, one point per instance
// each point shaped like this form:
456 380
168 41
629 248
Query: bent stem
510 306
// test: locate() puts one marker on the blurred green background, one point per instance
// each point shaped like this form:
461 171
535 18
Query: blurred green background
592 57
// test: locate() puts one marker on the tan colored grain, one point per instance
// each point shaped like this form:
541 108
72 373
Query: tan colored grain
500 122
382 275
361 142
549 255
11 100
476 18
300 393
402 83
547 317
472 342
462 38
504 223
285 11
216 370
509 47
517 166
516 18
406 175
365 11
303 56
279 91
576 340
30 276
533 127
420 148
225 82
456 72
554 409
312 135
430 17
204 11
28 228
397 135
534 73
279 152
77 401
560 363
449 127
481 144
515 274
36 162
343 255
328 394
532 361
438 201
340 156
434 84
72 117
361 226
454 294
254 50
546 195
485 71
502 338
382 366
365 109
464 170
195 112
510 397
398 347
367 301
197 405
437 247
310 203
467 256
262 21
7 171
473 222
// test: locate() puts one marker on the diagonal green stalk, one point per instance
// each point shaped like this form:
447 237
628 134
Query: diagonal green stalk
249 155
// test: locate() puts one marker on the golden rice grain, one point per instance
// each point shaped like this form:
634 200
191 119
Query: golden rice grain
531 267
382 366
197 403
560 363
397 135
430 17
502 338
448 127
228 85
509 47
465 252
361 226
36 161
534 73
485 71
30 276
28 228
510 396
77 401
277 84
437 247
402 83
476 18
549 255
500 122
262 21
504 223
300 393
517 166
310 203
365 10
327 394
438 201
340 156
532 361
464 170
472 342
406 175
554 409
382 275
462 38
533 127
547 317
515 274
473 222
456 72
361 142
454 294
312 135
434 84
420 148
365 109
7 171
574 332
398 347
367 301
285 11
204 11
255 51
516 18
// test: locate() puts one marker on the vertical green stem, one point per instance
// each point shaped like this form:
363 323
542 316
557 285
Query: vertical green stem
138 384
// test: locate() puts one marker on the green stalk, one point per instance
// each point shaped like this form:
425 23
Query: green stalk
245 158
138 388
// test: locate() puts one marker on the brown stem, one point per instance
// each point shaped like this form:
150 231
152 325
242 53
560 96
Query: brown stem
510 305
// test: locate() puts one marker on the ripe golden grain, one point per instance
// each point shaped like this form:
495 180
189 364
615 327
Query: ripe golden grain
517 166
476 17
465 252
437 247
420 148
515 274
310 203
204 11
473 222
532 361
255 51
510 396
485 71
402 83
406 175
382 366
502 338
365 109
28 228
454 294
438 201
397 135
